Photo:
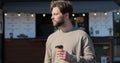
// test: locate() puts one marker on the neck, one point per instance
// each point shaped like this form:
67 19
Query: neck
66 27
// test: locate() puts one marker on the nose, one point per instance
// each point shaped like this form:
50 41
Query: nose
52 17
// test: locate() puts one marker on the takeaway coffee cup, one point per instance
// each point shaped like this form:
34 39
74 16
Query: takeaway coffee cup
59 48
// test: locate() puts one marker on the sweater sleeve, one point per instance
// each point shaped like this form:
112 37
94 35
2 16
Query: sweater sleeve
87 50
47 58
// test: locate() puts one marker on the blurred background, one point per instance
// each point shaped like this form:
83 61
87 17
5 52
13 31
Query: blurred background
26 24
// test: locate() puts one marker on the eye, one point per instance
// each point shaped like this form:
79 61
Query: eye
55 13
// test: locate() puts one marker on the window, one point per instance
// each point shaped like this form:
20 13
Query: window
44 25
116 21
81 20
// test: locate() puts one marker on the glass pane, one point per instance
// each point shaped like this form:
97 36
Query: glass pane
80 20
102 52
116 23
44 26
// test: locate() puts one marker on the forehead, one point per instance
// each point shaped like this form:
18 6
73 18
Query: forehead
55 10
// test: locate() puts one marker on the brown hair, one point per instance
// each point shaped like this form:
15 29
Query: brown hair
64 6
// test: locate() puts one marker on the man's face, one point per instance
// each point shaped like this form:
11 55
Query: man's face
57 17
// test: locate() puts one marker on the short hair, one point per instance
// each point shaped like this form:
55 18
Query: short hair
64 6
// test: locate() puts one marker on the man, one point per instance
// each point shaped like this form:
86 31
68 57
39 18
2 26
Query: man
76 46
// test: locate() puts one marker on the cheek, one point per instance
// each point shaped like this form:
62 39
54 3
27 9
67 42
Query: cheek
60 18
57 18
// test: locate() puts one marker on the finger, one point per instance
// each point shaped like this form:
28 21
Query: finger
62 56
59 51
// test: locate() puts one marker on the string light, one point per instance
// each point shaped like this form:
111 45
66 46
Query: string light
118 13
19 14
105 13
75 18
5 14
95 14
32 15
43 15
83 14
73 15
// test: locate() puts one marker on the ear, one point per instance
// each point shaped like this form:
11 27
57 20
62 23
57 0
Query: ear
66 15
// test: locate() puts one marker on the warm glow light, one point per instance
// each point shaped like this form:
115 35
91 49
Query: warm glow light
5 14
19 14
73 15
83 14
32 15
118 13
43 15
95 14
74 18
105 13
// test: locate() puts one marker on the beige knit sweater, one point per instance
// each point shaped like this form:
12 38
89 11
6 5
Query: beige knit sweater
76 42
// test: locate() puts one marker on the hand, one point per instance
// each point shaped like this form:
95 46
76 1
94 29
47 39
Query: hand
63 55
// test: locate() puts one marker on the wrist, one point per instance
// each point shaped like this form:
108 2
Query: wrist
70 59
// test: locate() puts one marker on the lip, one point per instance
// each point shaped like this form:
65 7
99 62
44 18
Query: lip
53 21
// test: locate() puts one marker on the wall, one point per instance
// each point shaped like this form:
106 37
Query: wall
1 21
101 25
24 24
24 51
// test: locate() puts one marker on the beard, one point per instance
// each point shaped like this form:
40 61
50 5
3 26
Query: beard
59 23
